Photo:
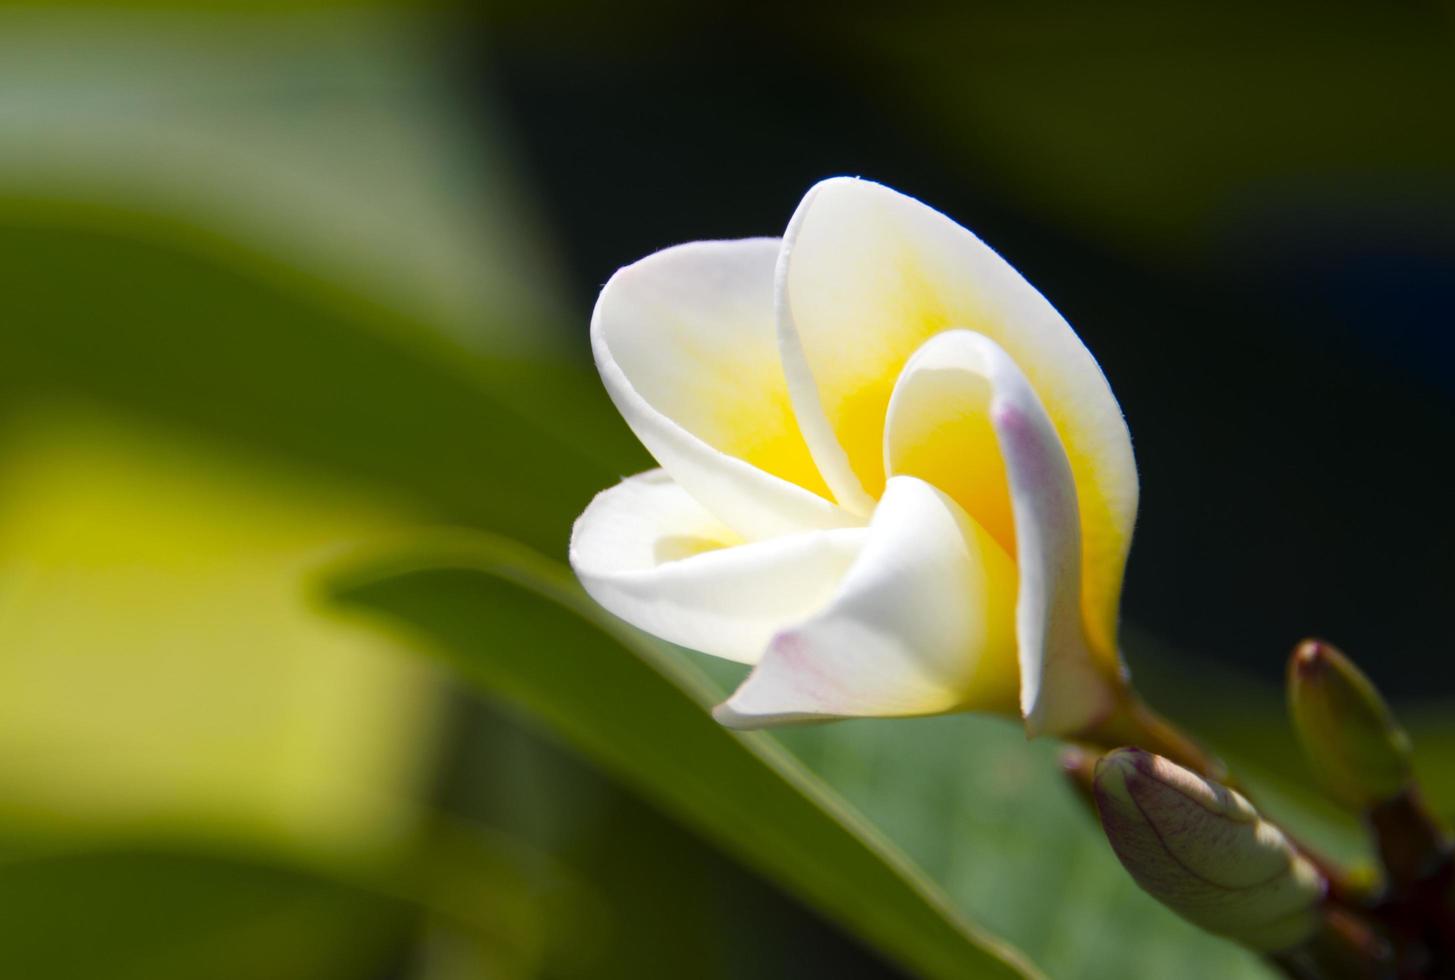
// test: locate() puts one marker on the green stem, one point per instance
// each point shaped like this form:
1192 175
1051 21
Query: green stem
1132 722
1345 947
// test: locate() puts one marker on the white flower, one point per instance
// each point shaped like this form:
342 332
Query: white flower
892 477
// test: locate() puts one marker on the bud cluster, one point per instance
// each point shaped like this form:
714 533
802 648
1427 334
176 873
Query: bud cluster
1201 848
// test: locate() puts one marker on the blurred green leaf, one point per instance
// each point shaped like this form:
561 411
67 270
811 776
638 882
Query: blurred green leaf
159 669
297 233
150 909
336 141
988 816
1161 125
981 810
980 806
515 626
492 904
234 355
147 914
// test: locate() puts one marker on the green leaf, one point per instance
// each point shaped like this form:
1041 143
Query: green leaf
988 816
328 262
516 627
351 158
160 909
148 914
1057 107
983 812
272 371
160 672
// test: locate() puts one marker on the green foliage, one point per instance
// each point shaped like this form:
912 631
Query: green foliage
989 817
157 909
982 811
149 914
515 626
281 375
1159 126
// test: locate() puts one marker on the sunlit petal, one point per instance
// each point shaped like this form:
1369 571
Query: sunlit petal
649 553
866 276
922 623
686 344
964 416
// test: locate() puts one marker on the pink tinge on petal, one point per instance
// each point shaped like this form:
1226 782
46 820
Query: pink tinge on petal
867 279
1063 689
922 623
1017 473
1031 462
789 686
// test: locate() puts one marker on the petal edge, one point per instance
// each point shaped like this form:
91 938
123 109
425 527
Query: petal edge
647 552
685 343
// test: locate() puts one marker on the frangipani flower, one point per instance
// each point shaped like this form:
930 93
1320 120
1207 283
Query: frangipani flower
892 477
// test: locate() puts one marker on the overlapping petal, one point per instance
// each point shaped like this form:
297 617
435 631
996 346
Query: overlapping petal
964 417
649 553
879 364
686 343
865 277
922 623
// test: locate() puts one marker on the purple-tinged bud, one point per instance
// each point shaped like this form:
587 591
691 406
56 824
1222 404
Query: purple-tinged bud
1359 751
1203 851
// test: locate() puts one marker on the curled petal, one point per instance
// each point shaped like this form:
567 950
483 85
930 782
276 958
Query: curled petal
649 553
964 417
865 277
922 623
686 344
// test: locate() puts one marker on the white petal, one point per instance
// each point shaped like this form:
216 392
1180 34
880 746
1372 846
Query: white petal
686 344
964 417
866 276
922 623
649 553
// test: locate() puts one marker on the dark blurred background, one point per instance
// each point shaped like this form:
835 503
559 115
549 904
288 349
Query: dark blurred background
265 268
1247 211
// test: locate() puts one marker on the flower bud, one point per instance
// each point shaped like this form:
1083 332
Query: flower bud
1360 752
1203 851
